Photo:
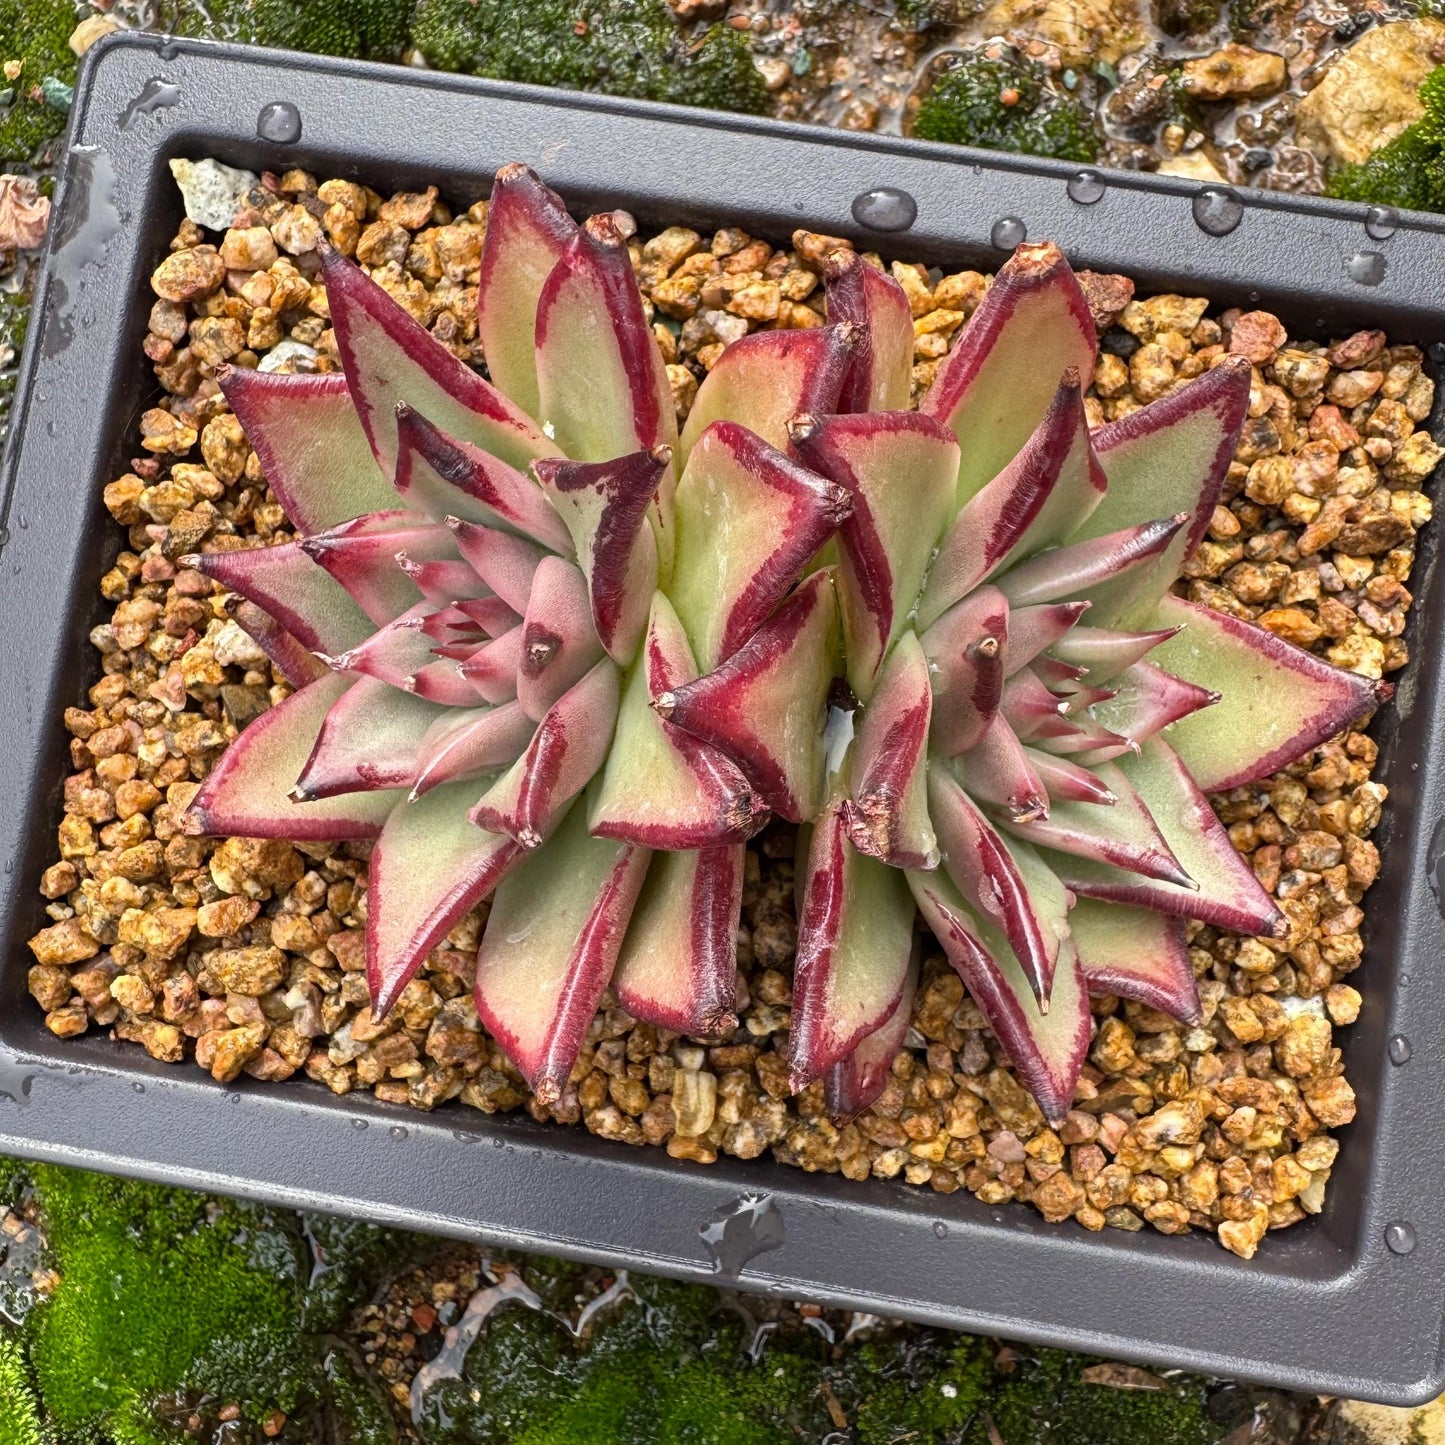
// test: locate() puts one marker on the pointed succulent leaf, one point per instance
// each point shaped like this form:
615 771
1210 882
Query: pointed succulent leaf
998 772
749 520
855 944
388 357
1031 504
312 606
663 787
678 967
443 477
363 558
551 942
604 506
1136 954
1027 704
441 681
1032 630
313 452
887 815
1067 782
1146 700
297 664
528 228
1031 327
443 583
506 563
467 742
1068 678
1105 652
766 706
603 390
764 380
1047 1048
488 614
1278 700
967 650
1004 880
899 468
856 1081
879 376
493 669
1074 735
392 653
248 792
369 739
1228 895
558 645
428 870
569 746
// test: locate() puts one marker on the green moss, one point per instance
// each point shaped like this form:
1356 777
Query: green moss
360 29
932 14
36 32
1005 104
19 1409
622 47
1409 172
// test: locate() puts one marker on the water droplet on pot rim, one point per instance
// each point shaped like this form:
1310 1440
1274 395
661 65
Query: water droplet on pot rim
1400 1237
1399 1049
885 208
1086 188
1217 210
1366 267
280 121
1381 222
1008 233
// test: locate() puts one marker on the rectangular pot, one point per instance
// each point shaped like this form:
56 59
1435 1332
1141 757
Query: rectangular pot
1348 1303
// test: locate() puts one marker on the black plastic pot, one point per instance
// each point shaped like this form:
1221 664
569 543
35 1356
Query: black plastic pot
1350 1302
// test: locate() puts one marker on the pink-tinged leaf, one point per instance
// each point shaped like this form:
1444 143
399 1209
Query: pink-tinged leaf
1048 1048
966 650
766 707
997 771
1075 734
1053 481
1005 881
1133 953
504 562
1122 834
443 477
442 682
855 944
1278 701
467 742
678 968
1067 677
558 644
887 815
369 739
297 664
388 358
1105 652
313 452
362 557
663 787
1031 327
899 469
1067 782
313 607
488 614
1170 456
1228 894
764 380
604 506
1146 700
1028 706
569 746
749 520
1032 630
528 228
1099 570
602 387
493 669
248 792
856 1081
428 870
551 942
392 653
880 374
442 583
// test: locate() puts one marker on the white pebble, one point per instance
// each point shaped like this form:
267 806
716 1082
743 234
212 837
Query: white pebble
286 350
213 193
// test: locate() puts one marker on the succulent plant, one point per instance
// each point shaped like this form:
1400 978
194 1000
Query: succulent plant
476 650
1039 716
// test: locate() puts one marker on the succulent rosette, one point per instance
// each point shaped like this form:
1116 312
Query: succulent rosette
494 580
1039 717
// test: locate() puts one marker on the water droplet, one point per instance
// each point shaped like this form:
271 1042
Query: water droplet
169 49
397 1131
279 122
885 208
1400 1237
1086 188
1399 1049
22 522
1366 267
139 1087
751 1225
359 1124
1008 233
158 94
940 1229
1217 210
1381 222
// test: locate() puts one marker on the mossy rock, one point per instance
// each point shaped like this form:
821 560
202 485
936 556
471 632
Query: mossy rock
621 47
37 33
1409 172
357 29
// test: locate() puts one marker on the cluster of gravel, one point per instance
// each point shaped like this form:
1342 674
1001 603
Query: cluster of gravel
247 955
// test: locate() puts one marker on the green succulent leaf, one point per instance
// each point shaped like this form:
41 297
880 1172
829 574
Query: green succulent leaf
859 1077
1136 954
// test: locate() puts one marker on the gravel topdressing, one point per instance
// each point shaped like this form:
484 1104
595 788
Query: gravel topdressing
247 955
